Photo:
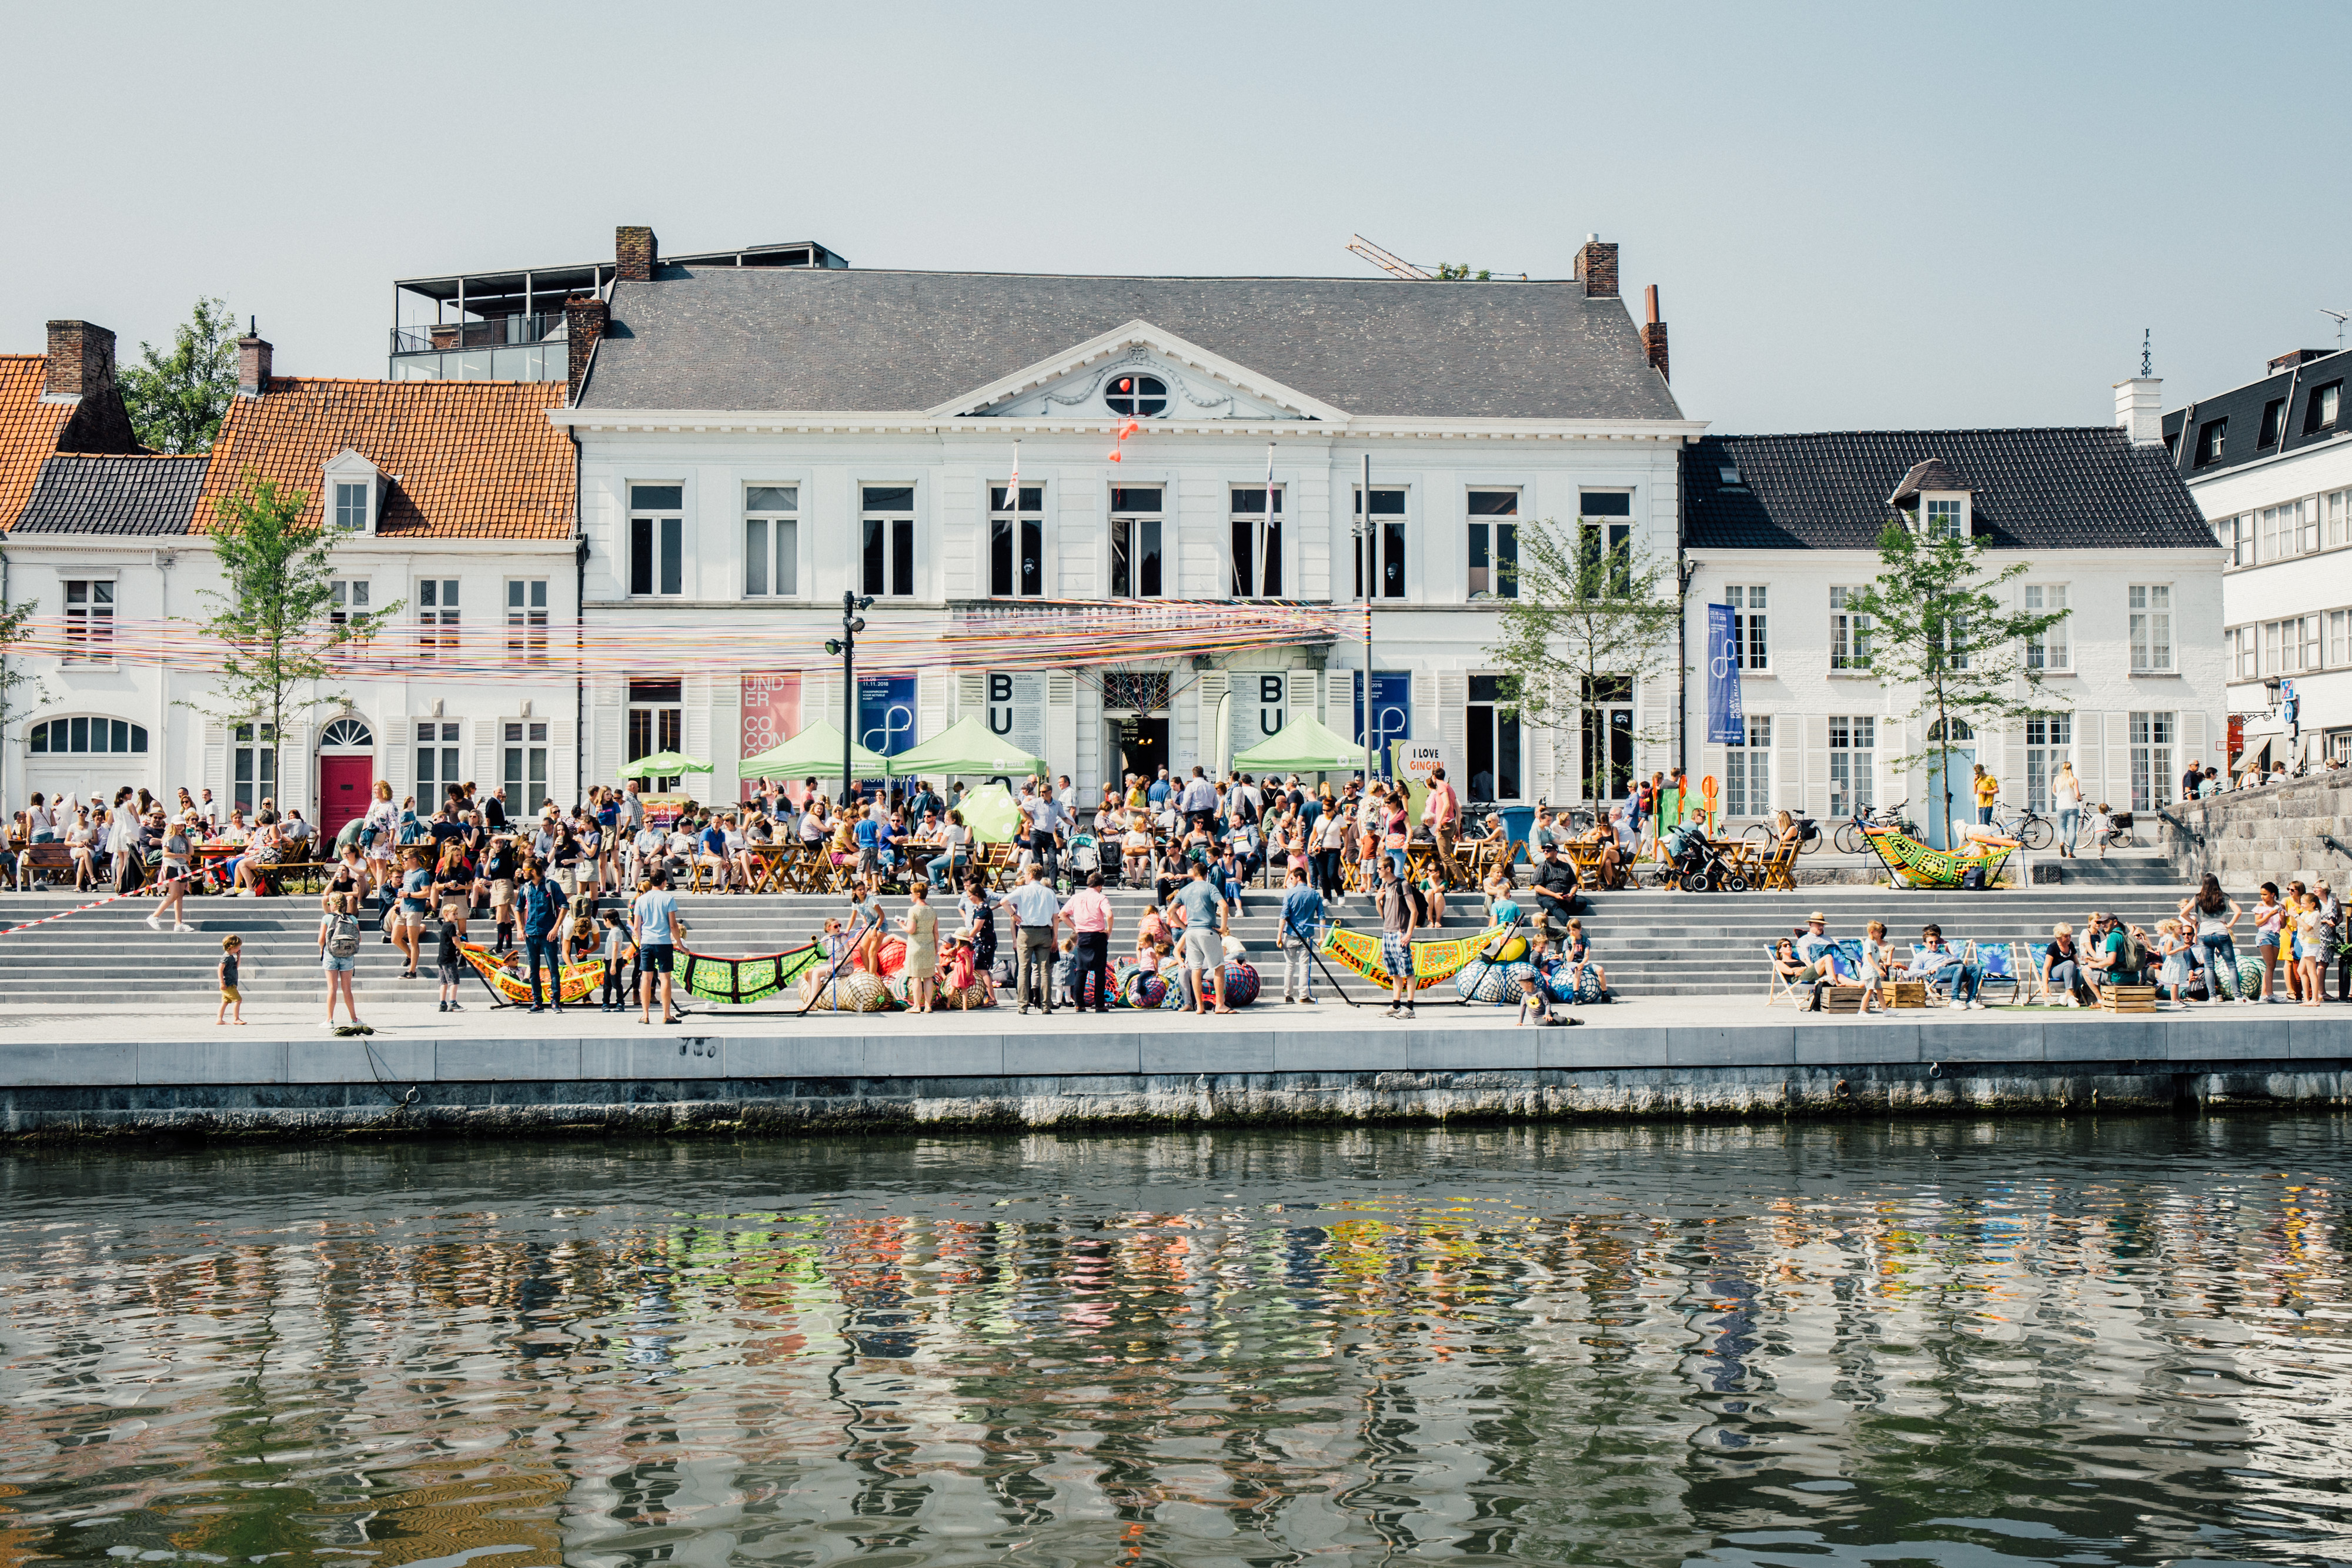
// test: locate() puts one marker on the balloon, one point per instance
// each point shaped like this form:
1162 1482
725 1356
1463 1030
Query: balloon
1123 384
1129 428
1114 457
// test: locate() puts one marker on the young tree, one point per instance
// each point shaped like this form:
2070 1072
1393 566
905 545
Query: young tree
1940 635
274 616
1587 622
178 398
18 690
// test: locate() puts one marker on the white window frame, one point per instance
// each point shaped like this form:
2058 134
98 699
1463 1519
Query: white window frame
523 764
2248 645
2154 736
2049 741
254 746
2149 616
772 542
1387 542
1853 763
2338 505
1939 506
89 604
1505 736
53 736
348 467
1014 520
1747 771
1493 537
527 615
1237 519
664 529
901 564
2339 623
2053 651
1751 624
445 747
438 607
1126 540
352 596
663 721
1849 633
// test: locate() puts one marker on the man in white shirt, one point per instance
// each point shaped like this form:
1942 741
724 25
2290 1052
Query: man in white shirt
1199 800
1036 914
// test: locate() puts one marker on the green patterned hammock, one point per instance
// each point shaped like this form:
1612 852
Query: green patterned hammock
739 982
1915 864
1431 961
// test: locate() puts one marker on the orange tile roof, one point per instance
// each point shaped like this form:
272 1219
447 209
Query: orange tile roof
28 430
465 459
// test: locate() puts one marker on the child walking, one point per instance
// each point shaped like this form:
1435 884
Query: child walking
446 960
616 963
230 996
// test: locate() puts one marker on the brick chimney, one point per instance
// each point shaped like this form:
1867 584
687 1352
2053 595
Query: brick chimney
252 364
584 315
634 254
1596 268
1653 336
80 362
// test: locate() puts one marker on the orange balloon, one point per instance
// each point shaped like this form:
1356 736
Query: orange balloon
1122 384
1129 428
1115 457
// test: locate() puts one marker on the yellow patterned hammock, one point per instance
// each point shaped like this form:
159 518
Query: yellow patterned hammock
577 979
1915 864
739 982
1431 961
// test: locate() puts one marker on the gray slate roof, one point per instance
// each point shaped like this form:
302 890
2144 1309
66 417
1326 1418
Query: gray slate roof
864 341
2033 489
113 495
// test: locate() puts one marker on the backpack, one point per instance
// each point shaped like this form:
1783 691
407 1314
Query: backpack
2133 953
343 940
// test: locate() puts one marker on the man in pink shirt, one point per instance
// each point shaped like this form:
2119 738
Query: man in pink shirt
1088 912
1441 815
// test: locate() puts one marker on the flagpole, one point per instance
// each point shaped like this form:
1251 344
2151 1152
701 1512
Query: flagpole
1265 522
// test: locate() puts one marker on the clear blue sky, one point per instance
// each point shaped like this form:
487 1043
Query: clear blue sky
1868 216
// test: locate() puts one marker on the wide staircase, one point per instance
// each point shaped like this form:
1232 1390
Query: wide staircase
1653 944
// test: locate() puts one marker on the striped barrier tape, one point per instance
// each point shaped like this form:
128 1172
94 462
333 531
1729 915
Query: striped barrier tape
52 919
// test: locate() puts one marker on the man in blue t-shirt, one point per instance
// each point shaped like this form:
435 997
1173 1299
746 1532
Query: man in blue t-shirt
656 929
1302 912
1160 792
1204 942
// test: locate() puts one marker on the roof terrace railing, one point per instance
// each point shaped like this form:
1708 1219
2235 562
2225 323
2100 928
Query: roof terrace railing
498 331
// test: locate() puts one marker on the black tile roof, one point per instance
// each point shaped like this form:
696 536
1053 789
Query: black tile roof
867 341
2243 407
2033 489
113 495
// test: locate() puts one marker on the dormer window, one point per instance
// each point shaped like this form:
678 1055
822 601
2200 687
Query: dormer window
352 486
1141 397
1945 517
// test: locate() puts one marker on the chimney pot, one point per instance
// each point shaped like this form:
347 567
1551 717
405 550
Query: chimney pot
252 365
81 361
1654 336
1596 268
636 254
2139 410
584 318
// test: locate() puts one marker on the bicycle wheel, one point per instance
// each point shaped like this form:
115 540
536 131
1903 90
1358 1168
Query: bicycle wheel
1760 837
2122 839
2036 833
1850 840
1813 845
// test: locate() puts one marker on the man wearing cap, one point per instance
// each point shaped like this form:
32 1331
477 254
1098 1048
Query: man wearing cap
1554 888
1814 950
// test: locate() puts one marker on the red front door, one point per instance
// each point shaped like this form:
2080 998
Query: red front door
343 785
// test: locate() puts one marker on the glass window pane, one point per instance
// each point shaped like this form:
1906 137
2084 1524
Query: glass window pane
788 556
889 498
1148 584
1000 556
1490 503
902 548
1135 500
81 735
657 497
755 555
673 555
1607 503
772 499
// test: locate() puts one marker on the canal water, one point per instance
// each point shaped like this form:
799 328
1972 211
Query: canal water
1955 1343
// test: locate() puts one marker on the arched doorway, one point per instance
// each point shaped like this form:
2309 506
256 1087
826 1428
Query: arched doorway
346 773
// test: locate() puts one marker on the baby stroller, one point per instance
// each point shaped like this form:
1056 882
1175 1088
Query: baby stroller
1697 866
1085 857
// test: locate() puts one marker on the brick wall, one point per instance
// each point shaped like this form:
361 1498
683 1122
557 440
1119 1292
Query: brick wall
2275 833
633 253
1596 268
584 316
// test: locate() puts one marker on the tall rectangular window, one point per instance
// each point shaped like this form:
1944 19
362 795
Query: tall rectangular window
1605 727
2250 653
2308 519
527 620
2051 649
2151 627
2049 741
1611 542
657 721
2339 623
2309 624
1493 544
1853 763
436 617
1137 565
1947 519
1494 742
1750 628
772 540
89 619
1249 514
526 765
1380 548
657 539
1849 632
1747 771
2273 656
436 763
351 507
2339 504
2240 538
253 764
2151 759
2320 410
351 598
2273 422
887 541
2211 437
1017 542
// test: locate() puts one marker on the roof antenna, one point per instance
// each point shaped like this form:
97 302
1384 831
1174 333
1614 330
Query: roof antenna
253 326
2337 317
2146 353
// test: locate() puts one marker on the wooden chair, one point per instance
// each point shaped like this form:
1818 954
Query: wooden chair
1796 992
1779 870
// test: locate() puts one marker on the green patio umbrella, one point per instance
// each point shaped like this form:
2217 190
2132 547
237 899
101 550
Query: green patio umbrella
1305 744
665 765
814 753
967 748
989 811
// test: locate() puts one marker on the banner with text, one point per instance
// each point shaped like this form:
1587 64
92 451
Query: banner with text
1725 723
1016 709
1391 712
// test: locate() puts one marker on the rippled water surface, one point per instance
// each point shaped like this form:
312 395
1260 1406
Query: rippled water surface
2048 1342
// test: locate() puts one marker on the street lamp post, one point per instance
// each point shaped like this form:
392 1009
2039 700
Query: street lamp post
1367 562
846 645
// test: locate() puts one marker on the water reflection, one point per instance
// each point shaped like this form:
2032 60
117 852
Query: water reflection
1963 1345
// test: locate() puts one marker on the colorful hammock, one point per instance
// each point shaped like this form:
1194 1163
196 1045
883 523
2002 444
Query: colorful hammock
740 982
575 980
1431 961
1915 864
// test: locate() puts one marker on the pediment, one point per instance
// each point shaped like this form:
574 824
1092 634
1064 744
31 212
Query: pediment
1084 383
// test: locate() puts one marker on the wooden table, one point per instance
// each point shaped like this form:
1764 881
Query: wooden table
776 867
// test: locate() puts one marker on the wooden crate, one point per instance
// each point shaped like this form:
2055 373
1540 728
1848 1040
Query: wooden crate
2127 999
1901 993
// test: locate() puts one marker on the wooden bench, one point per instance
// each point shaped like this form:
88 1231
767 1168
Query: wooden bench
52 861
2126 998
306 876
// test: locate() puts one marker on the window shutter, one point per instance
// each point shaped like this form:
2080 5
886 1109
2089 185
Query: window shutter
1426 722
1454 727
820 689
964 526
1207 747
216 774
294 768
2118 783
971 692
696 695
1062 723
562 763
1817 765
933 688
2012 764
725 733
2090 759
1298 695
2191 750
1656 752
486 755
1789 762
608 725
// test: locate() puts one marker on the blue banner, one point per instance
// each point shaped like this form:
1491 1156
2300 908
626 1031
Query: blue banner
1725 723
1391 713
885 717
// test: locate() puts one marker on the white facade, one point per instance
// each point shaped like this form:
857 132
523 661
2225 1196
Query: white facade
723 478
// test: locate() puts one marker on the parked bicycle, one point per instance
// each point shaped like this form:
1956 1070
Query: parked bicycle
2028 827
1852 841
1760 836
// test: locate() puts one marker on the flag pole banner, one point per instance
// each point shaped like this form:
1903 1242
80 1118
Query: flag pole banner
1725 723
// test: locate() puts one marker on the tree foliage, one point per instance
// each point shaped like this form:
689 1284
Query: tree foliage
274 615
1941 636
19 688
177 398
1459 272
1585 625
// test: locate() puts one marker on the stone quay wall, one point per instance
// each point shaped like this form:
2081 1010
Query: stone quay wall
2279 832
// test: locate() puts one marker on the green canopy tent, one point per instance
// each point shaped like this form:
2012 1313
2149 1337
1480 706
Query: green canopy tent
814 753
969 749
665 765
1305 744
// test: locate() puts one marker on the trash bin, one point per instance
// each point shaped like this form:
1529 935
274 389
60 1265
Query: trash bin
1519 822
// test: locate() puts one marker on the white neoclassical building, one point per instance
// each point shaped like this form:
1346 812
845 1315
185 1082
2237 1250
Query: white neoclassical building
755 441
